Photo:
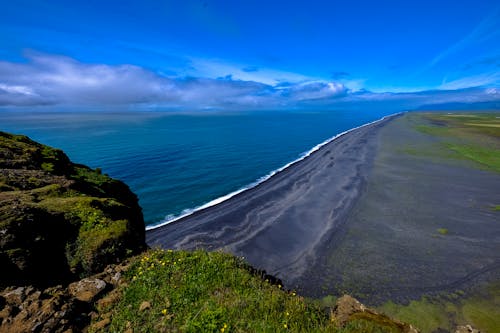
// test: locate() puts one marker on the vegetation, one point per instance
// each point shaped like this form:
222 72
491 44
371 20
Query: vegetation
430 314
53 208
443 231
215 292
471 137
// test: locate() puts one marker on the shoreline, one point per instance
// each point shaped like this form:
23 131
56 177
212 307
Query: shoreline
281 224
190 211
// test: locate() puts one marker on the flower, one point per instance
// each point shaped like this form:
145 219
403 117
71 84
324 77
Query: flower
285 325
164 312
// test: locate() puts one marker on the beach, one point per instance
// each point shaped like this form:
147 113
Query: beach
282 223
359 215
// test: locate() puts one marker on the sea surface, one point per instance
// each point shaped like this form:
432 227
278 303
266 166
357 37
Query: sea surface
177 162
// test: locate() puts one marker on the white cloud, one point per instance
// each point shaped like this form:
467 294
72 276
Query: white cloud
317 90
56 80
483 79
214 68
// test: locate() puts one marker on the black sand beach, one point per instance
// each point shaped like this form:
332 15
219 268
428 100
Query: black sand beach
359 215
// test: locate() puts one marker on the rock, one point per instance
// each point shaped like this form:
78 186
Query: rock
101 324
49 208
345 307
87 289
466 329
348 308
109 299
15 296
145 305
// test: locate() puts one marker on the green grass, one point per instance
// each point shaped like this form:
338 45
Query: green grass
215 292
496 208
471 137
482 311
489 158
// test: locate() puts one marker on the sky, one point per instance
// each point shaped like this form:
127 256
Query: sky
214 54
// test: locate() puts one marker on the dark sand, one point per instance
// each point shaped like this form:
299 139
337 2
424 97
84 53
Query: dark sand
359 216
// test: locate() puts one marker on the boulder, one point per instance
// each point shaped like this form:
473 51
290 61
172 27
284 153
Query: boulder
86 290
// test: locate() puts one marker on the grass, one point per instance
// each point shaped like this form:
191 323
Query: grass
490 158
482 311
215 292
472 137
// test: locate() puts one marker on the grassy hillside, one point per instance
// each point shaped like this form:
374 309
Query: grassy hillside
177 291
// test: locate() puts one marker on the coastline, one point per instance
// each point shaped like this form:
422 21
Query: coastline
187 212
287 216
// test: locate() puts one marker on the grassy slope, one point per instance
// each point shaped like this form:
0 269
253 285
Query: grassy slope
215 292
474 138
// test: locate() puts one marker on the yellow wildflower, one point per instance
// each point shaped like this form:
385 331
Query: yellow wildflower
164 312
285 325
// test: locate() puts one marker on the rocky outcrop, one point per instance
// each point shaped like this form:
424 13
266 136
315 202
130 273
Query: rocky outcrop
60 221
348 309
59 309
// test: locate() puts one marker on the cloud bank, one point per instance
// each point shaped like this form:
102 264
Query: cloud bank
57 80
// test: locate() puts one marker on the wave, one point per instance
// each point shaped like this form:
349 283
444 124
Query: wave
186 212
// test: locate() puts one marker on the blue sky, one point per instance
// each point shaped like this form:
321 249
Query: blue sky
248 54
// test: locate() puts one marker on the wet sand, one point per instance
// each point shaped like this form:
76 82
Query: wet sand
360 216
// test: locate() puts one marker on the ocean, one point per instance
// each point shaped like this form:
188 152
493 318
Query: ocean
177 162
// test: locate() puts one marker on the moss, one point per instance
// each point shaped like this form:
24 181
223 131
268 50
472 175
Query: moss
71 213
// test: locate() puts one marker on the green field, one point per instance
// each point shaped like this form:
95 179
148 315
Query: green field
472 137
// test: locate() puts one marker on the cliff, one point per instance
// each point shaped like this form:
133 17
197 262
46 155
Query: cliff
60 221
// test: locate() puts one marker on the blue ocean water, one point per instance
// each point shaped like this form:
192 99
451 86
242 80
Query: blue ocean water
177 162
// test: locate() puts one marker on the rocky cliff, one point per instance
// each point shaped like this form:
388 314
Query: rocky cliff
60 221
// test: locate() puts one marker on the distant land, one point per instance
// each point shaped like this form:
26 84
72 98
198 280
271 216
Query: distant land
456 106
